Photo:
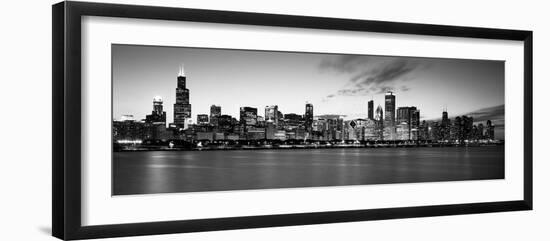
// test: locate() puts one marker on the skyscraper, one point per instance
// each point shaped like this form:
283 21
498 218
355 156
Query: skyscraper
248 116
390 108
405 114
445 118
379 114
271 114
379 118
415 125
157 116
371 109
490 130
202 119
182 108
410 116
215 113
308 117
445 126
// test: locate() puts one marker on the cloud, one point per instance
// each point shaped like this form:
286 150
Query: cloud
370 75
490 113
495 114
344 63
404 88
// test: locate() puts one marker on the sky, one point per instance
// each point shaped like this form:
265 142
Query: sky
334 83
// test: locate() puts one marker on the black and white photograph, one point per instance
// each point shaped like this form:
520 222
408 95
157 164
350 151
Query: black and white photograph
206 119
275 120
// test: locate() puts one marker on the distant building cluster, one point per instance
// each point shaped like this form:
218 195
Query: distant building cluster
390 123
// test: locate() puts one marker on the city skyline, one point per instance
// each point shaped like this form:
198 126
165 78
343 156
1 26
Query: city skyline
356 84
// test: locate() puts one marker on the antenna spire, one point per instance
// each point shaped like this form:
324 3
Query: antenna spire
181 71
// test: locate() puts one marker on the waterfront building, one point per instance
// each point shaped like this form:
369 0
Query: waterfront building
490 130
359 129
300 133
260 121
202 119
308 117
480 135
370 132
158 115
411 117
445 119
255 133
389 108
468 127
280 135
226 123
270 129
388 133
128 130
182 107
293 121
248 116
415 125
423 131
379 118
232 137
155 131
218 136
403 131
281 119
205 136
271 114
370 113
445 126
434 131
215 113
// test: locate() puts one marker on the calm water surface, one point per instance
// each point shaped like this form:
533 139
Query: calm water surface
191 171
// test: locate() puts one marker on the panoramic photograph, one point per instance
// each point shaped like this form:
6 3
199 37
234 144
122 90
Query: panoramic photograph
202 119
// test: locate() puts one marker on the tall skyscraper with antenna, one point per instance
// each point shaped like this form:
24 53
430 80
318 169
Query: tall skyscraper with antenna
182 107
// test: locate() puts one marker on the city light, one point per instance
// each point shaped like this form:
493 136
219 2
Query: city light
388 124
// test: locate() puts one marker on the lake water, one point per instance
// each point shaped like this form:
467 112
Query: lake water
192 171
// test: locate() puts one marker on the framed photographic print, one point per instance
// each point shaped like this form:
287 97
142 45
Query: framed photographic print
169 120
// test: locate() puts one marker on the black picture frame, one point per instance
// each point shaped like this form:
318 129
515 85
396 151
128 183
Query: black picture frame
66 127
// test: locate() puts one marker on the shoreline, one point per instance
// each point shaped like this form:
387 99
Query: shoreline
299 147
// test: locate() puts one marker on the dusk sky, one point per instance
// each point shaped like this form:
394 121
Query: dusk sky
333 83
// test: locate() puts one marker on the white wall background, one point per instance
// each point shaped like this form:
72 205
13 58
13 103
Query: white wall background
25 96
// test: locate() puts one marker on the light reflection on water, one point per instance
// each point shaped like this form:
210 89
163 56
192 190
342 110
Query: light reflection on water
190 171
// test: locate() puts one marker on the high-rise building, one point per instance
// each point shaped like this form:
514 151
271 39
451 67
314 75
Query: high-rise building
390 108
405 114
182 107
490 130
411 117
379 118
371 109
215 113
226 123
293 120
379 114
157 116
202 119
308 117
445 118
248 116
271 114
415 125
415 118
